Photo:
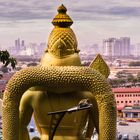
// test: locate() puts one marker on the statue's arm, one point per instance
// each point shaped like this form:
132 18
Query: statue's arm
25 115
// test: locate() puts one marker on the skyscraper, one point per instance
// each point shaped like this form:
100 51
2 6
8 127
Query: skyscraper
22 43
17 44
108 45
125 46
116 47
136 50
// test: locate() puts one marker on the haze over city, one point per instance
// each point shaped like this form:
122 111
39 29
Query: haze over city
94 20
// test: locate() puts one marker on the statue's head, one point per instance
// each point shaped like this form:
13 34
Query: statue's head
62 43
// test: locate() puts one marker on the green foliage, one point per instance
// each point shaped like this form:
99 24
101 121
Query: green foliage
124 79
121 74
32 64
130 78
117 82
138 77
6 59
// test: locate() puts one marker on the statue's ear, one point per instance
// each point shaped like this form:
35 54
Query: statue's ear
100 65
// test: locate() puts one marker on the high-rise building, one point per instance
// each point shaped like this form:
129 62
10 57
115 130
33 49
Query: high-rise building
22 43
108 46
136 50
17 44
125 46
116 47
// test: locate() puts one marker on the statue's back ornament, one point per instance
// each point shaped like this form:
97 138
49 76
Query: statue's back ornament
67 100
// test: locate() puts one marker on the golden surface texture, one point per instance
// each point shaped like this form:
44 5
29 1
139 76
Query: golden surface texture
62 19
59 83
62 40
59 80
99 64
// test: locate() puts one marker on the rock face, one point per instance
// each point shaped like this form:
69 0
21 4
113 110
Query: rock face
58 83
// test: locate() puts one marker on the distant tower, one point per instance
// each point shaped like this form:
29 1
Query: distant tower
17 44
22 43
108 45
117 47
125 46
136 50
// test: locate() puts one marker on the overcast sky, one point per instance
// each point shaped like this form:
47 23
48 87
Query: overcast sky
94 20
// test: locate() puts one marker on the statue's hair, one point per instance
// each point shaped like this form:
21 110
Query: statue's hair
59 80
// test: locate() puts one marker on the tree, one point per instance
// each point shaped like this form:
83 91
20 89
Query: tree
136 63
117 82
138 77
121 74
32 64
6 59
130 78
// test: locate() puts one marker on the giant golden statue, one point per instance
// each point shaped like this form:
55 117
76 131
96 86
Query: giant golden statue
59 83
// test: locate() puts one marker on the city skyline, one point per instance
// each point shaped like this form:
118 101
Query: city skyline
113 47
93 20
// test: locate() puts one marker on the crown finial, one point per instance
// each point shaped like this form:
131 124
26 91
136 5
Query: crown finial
62 19
62 9
62 44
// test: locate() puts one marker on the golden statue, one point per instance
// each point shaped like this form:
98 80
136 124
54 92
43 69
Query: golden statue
67 100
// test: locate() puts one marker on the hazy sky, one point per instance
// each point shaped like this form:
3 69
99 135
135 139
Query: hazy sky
94 20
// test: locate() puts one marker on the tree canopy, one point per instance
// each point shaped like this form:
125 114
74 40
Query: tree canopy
136 63
6 59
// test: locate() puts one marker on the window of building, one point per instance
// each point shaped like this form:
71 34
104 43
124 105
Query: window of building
134 95
130 95
122 95
117 101
127 115
135 115
125 101
125 95
129 101
121 101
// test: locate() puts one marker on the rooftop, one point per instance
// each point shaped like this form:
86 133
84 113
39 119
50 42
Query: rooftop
126 90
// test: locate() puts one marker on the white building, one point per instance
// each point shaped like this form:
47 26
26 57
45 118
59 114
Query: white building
116 47
136 50
124 46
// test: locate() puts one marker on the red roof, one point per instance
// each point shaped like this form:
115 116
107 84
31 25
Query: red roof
119 108
126 90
